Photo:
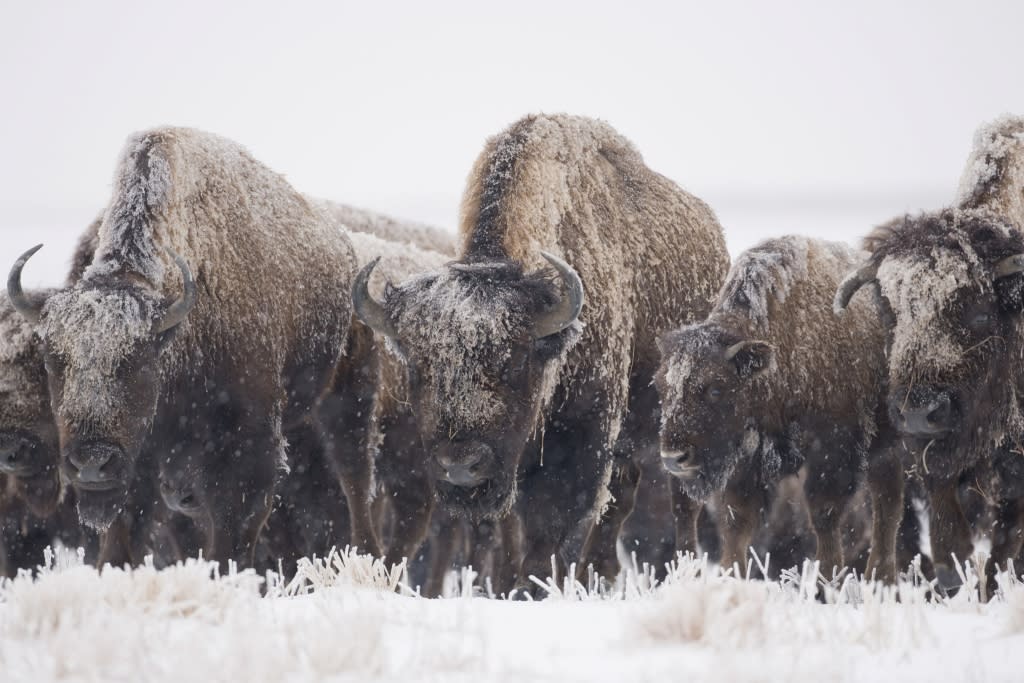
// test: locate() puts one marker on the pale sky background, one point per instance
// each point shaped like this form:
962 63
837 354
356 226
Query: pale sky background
815 117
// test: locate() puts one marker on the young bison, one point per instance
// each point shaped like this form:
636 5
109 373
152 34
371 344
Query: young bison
519 390
773 382
951 285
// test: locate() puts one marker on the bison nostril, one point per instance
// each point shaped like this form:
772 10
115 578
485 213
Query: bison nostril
938 413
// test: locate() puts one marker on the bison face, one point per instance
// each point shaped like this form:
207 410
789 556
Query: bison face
950 293
102 340
483 344
705 382
29 449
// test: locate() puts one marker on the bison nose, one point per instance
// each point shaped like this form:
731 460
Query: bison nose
180 498
933 418
16 455
680 462
88 463
465 466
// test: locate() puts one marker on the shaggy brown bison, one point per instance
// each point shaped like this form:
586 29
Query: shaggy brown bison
772 383
951 287
375 374
34 507
216 292
518 388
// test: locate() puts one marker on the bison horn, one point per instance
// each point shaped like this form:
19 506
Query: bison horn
731 352
1010 266
568 309
367 308
28 309
853 282
179 310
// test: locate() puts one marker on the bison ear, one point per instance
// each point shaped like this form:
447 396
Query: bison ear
1009 283
750 357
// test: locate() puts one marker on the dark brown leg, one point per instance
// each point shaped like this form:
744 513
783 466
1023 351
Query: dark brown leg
950 533
685 510
345 416
600 548
885 483
739 518
1007 537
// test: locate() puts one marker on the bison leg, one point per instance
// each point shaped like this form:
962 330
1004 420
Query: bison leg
649 529
828 491
950 533
407 485
885 483
1007 537
740 516
345 416
310 496
560 497
242 495
600 548
412 506
686 512
444 550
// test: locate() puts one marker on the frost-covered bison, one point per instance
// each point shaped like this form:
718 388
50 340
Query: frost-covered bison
216 292
951 286
375 375
389 228
518 388
773 382
34 507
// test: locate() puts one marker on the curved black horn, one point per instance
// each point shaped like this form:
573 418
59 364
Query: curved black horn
568 309
1010 265
28 310
179 310
367 308
849 286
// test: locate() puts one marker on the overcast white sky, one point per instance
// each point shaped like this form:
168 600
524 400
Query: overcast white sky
819 117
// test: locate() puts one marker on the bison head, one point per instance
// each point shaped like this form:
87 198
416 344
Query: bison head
950 288
482 343
101 341
29 449
709 402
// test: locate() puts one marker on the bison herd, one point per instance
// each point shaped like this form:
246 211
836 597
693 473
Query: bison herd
237 370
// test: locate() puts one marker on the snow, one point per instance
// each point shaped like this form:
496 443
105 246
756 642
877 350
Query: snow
342 619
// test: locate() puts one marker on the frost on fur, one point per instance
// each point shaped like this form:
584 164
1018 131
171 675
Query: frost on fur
994 175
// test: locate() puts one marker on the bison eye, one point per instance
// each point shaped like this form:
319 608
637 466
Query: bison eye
713 392
981 320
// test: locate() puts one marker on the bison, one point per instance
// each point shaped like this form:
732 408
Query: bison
34 506
310 505
772 383
419 235
951 289
518 387
216 292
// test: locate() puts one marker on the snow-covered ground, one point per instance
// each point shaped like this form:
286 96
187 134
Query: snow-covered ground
348 619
